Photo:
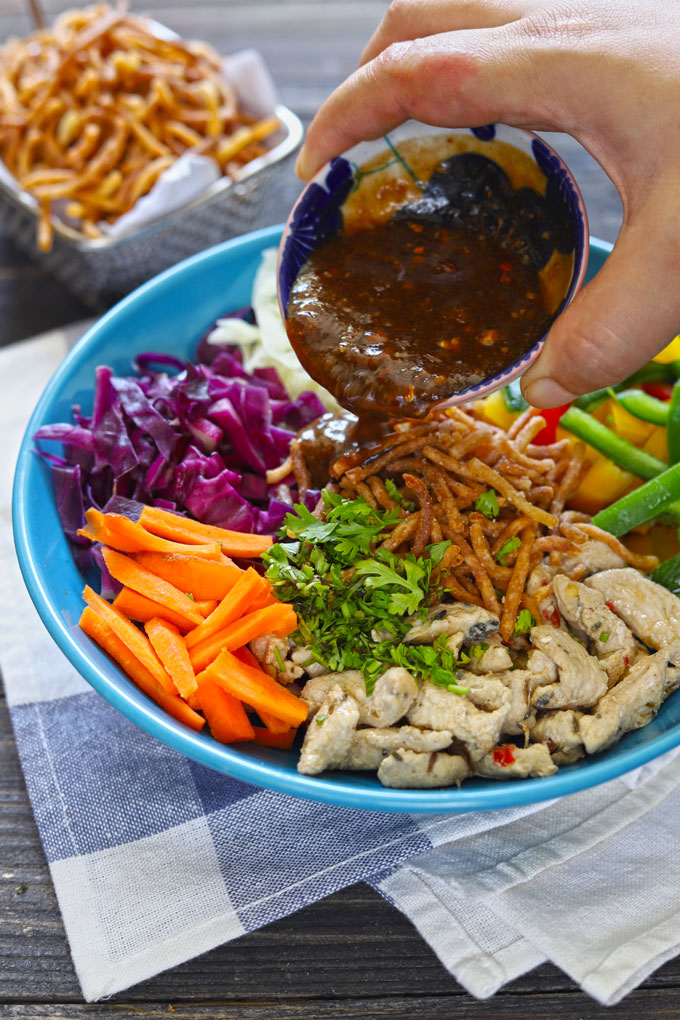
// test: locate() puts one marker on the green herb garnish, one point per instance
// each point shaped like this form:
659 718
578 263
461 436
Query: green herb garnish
392 491
604 636
487 504
525 621
507 548
345 588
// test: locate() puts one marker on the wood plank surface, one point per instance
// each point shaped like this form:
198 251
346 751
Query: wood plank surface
352 954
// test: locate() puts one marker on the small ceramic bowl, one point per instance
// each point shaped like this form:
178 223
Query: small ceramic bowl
394 171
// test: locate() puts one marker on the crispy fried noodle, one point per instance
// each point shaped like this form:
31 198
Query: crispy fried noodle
94 110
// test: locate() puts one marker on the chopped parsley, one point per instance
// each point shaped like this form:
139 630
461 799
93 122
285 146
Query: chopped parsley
507 548
392 491
345 588
525 621
487 504
604 636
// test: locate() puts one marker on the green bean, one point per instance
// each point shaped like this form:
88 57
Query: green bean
623 453
668 574
643 406
513 399
641 505
673 426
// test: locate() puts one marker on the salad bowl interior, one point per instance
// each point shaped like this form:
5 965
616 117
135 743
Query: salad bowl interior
170 314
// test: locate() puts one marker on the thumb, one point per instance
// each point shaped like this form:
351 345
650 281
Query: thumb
625 316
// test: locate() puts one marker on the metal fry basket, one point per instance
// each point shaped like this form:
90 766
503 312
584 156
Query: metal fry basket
102 270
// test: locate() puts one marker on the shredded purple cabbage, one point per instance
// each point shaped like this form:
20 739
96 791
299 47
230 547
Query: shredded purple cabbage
198 442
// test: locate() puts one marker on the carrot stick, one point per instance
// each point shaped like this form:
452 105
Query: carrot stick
205 606
256 689
169 646
205 579
247 657
129 573
121 533
138 643
226 715
96 629
267 598
274 725
283 741
233 605
279 619
138 607
183 529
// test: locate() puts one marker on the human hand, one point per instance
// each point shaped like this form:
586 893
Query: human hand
605 71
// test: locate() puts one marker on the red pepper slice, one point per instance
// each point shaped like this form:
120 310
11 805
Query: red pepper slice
552 416
660 390
503 755
552 616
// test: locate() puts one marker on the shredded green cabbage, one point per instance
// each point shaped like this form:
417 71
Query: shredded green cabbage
267 343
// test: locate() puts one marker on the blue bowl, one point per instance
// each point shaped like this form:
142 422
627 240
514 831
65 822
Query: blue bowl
171 313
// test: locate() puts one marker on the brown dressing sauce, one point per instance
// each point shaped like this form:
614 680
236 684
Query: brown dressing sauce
397 318
429 288
332 436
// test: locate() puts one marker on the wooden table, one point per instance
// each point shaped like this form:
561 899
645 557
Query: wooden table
351 955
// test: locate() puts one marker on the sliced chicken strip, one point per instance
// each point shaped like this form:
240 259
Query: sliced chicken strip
582 681
494 659
439 709
594 556
303 657
559 730
416 770
568 757
273 654
585 609
529 762
394 693
651 611
541 575
521 716
473 622
369 746
329 733
634 701
542 670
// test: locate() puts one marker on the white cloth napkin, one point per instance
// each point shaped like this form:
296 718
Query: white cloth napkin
590 882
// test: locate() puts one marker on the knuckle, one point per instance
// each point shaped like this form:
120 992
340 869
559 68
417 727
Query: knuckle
396 59
398 12
565 27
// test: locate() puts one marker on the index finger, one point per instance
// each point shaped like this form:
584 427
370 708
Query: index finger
415 19
456 79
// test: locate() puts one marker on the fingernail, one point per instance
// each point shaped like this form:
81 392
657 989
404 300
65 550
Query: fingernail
302 165
546 393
